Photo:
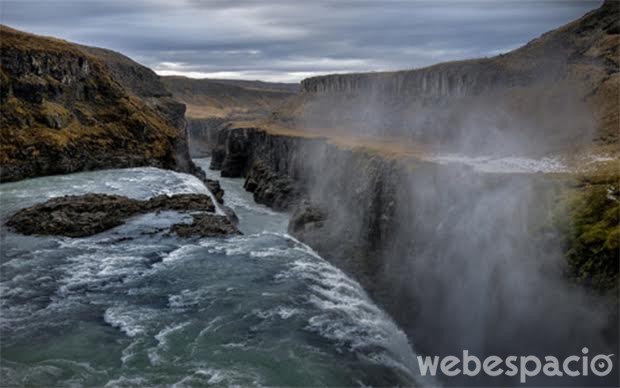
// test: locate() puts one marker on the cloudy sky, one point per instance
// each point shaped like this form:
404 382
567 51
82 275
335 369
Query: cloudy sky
290 40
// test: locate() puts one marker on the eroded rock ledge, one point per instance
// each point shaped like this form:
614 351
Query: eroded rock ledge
89 214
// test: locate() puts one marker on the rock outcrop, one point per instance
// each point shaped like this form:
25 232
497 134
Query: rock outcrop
559 91
211 103
68 108
206 225
89 214
277 191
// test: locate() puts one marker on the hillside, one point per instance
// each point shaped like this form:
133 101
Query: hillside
259 85
68 108
557 93
207 98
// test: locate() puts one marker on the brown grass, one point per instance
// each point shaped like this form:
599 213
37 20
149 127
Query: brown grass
108 120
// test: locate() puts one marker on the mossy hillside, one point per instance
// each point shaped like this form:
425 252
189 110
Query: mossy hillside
61 103
592 233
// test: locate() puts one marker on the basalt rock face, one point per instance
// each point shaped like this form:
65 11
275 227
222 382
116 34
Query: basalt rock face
558 90
203 135
277 191
86 215
68 108
211 103
148 86
442 249
330 205
275 166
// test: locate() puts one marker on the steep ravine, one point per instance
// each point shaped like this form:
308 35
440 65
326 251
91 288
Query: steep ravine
460 259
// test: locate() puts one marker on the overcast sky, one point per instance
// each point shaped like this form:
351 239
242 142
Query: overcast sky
290 40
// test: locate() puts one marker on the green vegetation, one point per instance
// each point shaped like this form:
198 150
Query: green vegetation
593 236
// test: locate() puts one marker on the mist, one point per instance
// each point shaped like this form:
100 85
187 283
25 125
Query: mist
469 260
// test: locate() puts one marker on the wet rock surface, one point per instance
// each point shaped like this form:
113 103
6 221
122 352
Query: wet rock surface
306 217
277 191
86 215
206 225
215 187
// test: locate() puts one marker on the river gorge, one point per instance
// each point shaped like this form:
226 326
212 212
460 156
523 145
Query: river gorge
160 230
155 309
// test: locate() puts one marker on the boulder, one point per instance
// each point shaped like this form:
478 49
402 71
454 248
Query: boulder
206 225
89 214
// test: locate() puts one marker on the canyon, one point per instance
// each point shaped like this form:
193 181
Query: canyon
444 223
476 202
212 103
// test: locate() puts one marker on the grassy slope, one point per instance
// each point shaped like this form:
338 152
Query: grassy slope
259 85
221 98
59 102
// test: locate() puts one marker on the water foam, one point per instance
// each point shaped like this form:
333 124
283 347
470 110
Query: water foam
131 320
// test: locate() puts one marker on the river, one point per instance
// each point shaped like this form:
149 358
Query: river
135 306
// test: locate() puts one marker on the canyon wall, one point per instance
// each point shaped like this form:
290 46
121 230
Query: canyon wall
558 92
460 259
68 108
203 135
493 263
212 102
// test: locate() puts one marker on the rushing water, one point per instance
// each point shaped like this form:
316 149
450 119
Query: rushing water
135 306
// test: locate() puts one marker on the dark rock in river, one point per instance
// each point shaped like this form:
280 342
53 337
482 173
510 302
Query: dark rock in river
215 187
86 215
75 216
181 202
230 213
206 225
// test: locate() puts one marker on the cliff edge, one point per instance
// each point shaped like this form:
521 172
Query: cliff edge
68 108
557 92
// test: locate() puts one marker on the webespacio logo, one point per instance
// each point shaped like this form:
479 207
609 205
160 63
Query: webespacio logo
524 366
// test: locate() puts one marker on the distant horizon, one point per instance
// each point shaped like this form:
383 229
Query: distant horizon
279 41
166 73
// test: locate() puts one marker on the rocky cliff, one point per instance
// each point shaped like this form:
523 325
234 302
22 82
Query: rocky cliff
447 249
68 108
212 102
560 89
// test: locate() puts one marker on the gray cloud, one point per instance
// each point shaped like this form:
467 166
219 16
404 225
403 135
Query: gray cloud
287 40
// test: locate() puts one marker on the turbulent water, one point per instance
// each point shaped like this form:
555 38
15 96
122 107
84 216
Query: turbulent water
135 306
